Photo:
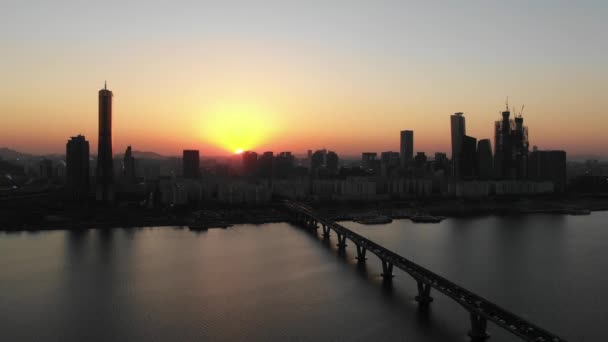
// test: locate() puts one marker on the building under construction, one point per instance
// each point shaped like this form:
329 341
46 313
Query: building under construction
510 146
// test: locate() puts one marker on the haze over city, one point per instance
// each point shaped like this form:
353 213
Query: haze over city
277 76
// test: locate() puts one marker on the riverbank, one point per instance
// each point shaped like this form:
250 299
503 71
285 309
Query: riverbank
85 217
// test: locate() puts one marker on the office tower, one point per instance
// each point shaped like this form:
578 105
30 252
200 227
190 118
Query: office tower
284 164
458 128
468 158
105 165
77 167
128 166
407 147
332 160
191 164
485 164
511 147
548 166
265 162
250 163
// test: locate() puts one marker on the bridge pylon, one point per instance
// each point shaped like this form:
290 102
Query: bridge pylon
424 293
478 328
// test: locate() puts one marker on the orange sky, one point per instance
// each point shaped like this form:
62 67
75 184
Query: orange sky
270 80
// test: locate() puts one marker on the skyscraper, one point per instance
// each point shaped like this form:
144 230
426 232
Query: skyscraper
485 165
510 147
407 147
467 159
77 167
458 127
191 164
105 168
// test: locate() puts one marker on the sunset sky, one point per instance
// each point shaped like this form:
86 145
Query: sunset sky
297 75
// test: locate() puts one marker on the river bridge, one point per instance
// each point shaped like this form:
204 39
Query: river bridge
480 310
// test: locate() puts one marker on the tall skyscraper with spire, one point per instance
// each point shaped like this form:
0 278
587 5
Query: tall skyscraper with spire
105 169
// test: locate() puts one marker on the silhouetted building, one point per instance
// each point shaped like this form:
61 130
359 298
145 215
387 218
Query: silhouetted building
548 166
420 160
77 167
105 166
468 158
510 147
191 162
406 147
284 164
367 159
485 164
441 162
390 162
317 160
265 163
458 128
250 163
128 166
331 162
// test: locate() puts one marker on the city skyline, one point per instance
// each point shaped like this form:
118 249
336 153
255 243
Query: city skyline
346 79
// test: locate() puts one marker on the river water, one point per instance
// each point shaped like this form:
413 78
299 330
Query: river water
278 282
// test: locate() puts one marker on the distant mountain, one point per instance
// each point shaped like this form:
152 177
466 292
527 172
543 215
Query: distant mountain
8 154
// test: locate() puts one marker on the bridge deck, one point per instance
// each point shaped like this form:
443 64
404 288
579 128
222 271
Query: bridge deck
470 301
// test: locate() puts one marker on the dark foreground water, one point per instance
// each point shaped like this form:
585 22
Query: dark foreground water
276 282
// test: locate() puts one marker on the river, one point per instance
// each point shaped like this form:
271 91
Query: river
278 282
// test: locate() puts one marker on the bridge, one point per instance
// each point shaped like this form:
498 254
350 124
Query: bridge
480 310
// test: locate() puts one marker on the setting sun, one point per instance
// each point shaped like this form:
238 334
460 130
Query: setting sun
238 127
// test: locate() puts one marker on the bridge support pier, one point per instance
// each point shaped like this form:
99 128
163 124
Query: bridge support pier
361 254
387 270
325 232
424 293
478 328
341 242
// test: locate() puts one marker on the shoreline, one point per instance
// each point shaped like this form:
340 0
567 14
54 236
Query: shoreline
219 217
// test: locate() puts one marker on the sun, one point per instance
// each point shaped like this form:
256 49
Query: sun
238 126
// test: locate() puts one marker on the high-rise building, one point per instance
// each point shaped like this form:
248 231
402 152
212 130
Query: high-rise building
485 165
128 166
367 159
250 163
265 162
77 167
318 160
284 164
468 158
105 166
441 162
548 166
191 163
390 162
331 161
510 147
407 147
458 128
